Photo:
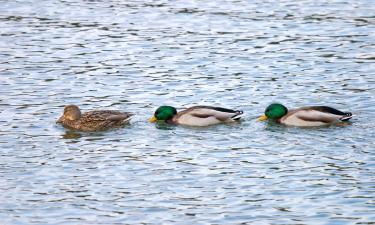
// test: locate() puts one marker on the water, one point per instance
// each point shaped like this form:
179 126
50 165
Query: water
137 55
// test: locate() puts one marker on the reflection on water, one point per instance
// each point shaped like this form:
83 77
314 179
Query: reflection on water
164 126
135 56
71 135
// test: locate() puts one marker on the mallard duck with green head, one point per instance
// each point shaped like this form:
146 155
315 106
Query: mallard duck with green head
305 116
196 116
97 120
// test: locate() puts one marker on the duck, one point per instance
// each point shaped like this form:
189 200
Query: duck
198 116
96 120
309 116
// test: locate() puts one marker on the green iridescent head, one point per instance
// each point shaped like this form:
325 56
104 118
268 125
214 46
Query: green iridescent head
274 111
163 113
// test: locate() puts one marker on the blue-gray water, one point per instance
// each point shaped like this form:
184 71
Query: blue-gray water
137 55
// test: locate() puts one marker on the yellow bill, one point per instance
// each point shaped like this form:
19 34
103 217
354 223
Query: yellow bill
152 119
262 118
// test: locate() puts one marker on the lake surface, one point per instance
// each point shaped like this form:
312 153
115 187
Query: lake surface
137 55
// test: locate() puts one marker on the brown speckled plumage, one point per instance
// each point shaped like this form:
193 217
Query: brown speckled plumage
96 120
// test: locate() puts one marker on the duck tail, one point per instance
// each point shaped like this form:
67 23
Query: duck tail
347 116
126 120
238 115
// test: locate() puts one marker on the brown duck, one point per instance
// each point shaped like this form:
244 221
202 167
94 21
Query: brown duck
96 120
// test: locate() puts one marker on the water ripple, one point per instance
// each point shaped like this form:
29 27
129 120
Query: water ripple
135 56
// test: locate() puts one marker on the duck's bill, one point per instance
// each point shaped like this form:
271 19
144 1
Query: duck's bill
152 119
262 118
60 120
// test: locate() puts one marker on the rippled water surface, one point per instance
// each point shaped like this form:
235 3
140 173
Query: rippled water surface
137 55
